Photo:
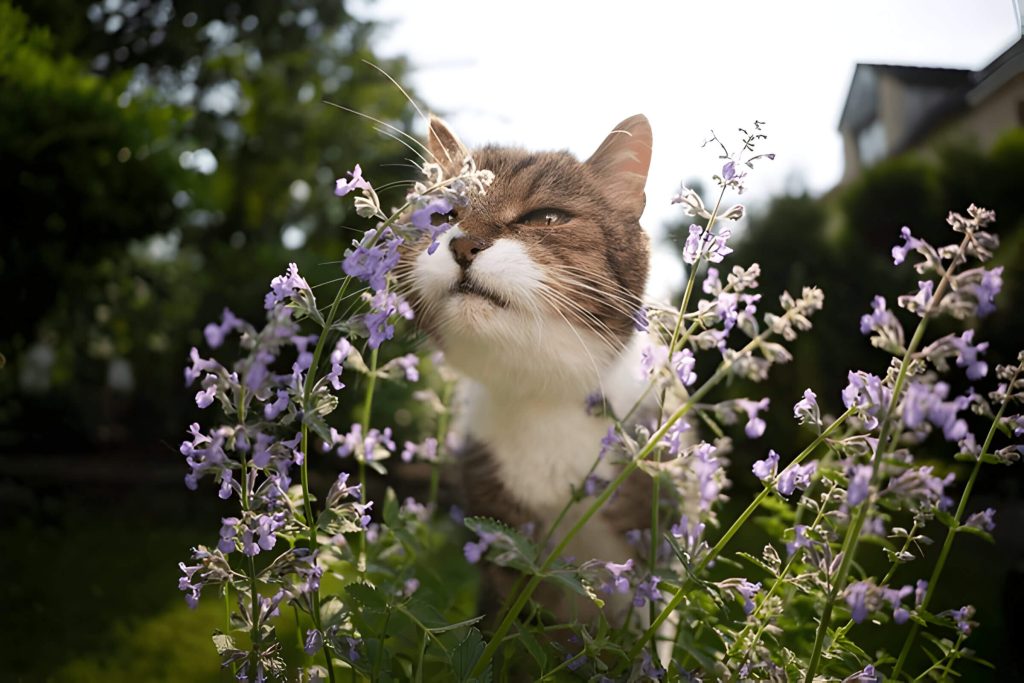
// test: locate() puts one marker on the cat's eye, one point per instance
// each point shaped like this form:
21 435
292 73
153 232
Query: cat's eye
440 218
543 217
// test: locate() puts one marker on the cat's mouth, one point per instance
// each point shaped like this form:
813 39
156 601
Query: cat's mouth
468 287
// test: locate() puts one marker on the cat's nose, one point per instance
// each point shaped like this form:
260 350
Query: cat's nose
466 248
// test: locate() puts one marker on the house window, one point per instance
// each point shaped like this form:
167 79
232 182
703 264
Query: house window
871 143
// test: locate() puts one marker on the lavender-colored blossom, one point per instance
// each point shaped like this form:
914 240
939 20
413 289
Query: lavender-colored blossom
755 425
919 486
474 550
272 410
673 439
355 182
894 596
426 451
968 355
806 409
284 287
594 484
766 469
800 539
920 590
986 290
384 305
198 367
856 596
373 258
422 218
608 442
618 571
228 534
962 618
868 394
899 253
362 510
205 397
984 520
647 590
700 244
683 363
652 357
880 317
649 668
410 365
314 641
866 675
796 477
215 334
640 321
747 591
706 466
860 481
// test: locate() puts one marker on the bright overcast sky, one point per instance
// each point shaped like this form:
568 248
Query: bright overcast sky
560 75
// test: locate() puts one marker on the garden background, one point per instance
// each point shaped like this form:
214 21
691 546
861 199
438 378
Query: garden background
162 160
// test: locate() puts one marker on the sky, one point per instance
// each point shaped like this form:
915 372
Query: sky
560 75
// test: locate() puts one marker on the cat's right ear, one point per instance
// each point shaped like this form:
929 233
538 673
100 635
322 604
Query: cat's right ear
623 160
444 146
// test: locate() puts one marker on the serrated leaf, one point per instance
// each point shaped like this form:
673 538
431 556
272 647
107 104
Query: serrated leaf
317 424
466 654
756 561
509 548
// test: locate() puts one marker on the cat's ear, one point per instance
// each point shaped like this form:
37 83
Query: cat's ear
444 146
623 160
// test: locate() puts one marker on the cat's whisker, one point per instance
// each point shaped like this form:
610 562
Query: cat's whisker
400 89
402 142
379 122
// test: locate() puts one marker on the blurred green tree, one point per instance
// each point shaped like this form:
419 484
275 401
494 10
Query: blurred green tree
167 159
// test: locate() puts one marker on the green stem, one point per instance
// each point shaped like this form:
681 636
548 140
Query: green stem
733 529
947 545
853 531
371 384
442 433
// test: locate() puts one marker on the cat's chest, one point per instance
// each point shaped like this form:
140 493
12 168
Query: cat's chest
541 450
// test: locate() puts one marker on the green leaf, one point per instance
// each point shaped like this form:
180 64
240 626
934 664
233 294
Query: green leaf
390 512
946 519
509 547
318 425
367 596
757 562
466 654
533 647
223 642
977 532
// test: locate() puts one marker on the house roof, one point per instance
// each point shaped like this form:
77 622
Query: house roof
963 88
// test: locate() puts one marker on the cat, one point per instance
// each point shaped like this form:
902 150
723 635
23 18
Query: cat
533 296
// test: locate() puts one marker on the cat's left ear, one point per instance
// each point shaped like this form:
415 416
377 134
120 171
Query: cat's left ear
623 160
444 145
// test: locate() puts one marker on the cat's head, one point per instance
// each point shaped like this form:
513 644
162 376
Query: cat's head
541 278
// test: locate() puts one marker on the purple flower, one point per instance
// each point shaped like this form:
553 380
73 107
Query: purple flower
314 641
199 366
729 170
356 182
474 551
700 244
649 668
683 363
640 321
673 439
800 539
765 469
984 520
868 394
410 365
652 357
919 485
215 334
422 218
608 442
962 618
894 596
856 599
755 425
619 581
647 590
866 675
899 253
879 318
986 290
806 409
361 509
860 481
747 591
284 287
426 451
920 590
796 477
373 258
205 397
383 305
272 410
968 355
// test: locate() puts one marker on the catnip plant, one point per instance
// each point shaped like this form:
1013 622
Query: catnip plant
358 578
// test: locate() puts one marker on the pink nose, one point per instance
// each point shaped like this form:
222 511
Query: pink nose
465 249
